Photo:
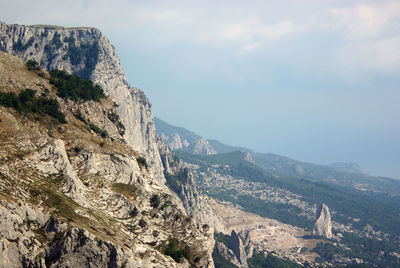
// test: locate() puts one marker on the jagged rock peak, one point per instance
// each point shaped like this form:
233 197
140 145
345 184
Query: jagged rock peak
227 253
323 224
203 147
238 249
247 156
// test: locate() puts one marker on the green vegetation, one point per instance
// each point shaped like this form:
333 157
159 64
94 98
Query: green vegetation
113 117
221 262
19 46
142 162
260 261
26 103
56 41
74 87
177 250
283 212
370 208
238 167
257 261
98 130
174 182
78 114
362 248
88 54
134 212
223 238
32 65
155 201
379 210
142 223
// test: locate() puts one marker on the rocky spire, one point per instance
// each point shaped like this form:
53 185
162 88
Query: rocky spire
323 224
238 248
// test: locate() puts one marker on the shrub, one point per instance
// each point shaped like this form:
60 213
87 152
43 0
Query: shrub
32 65
176 250
134 212
98 130
142 223
142 161
56 41
85 53
174 182
21 47
78 114
74 87
26 102
155 201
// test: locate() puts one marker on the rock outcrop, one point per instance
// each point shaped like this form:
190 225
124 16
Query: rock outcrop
203 147
87 53
96 202
238 249
226 253
347 167
323 224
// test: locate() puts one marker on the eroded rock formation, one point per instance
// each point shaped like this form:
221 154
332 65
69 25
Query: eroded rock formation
323 224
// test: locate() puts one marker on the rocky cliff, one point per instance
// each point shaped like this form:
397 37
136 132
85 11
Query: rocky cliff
323 224
87 53
107 193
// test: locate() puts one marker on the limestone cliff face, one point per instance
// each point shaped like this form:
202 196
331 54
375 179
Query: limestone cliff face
86 52
227 253
203 147
238 249
195 204
323 224
92 196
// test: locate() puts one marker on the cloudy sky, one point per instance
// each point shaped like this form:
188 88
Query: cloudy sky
318 81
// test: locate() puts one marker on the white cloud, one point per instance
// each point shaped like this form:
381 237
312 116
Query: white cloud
366 21
362 32
382 56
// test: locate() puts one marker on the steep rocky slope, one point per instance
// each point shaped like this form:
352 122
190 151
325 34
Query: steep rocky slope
87 53
70 197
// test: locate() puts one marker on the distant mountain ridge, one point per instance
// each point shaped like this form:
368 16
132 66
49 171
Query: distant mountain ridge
179 138
340 173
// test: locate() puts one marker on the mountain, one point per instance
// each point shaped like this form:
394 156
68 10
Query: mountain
267 197
179 138
341 173
83 173
85 181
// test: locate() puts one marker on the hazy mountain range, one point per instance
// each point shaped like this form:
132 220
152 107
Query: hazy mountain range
341 173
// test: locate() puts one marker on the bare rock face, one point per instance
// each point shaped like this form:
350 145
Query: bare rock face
247 157
71 198
227 253
203 147
53 48
238 248
323 224
174 141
